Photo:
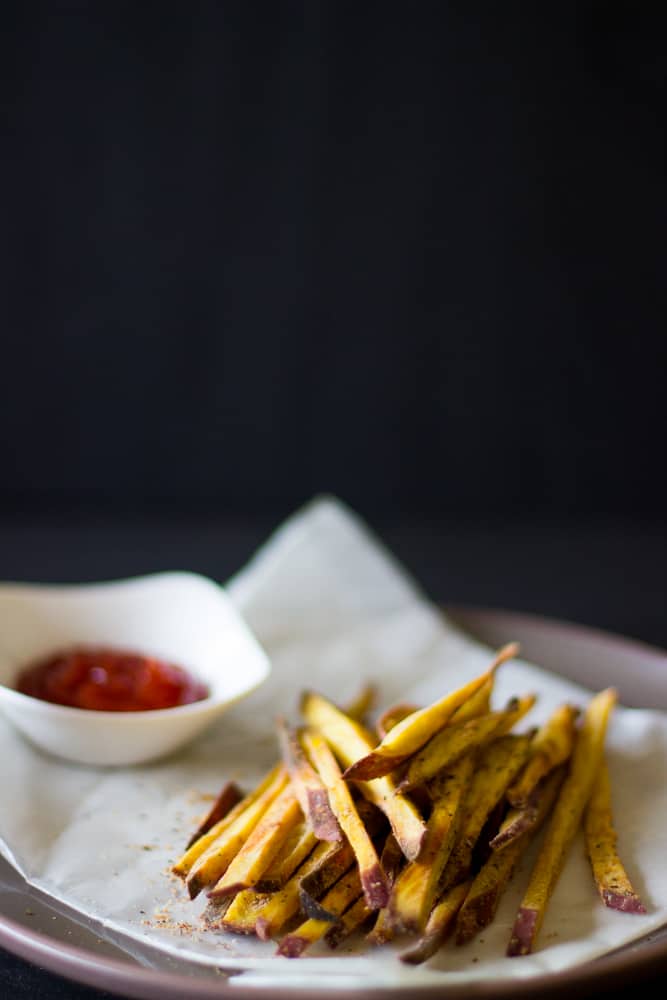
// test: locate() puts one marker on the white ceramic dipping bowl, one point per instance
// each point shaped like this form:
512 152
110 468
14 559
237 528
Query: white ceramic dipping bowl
181 617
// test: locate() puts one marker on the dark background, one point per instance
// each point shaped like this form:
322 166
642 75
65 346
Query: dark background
411 254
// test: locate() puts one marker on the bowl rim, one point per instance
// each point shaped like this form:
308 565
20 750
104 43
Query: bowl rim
211 702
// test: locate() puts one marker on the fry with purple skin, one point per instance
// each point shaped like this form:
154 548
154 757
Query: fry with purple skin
496 767
552 745
360 706
392 717
349 740
265 913
373 879
351 921
300 842
308 786
439 926
478 704
212 865
230 795
459 738
415 890
262 845
487 888
202 844
565 820
345 892
410 735
610 876
391 860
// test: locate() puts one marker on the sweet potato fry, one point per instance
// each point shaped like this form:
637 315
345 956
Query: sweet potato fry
215 912
360 706
438 927
349 740
459 738
266 913
230 795
515 711
393 716
308 786
477 704
496 767
212 865
551 746
373 879
491 881
345 892
413 732
352 920
300 842
610 876
359 913
565 820
416 887
392 861
203 843
262 845
332 865
516 824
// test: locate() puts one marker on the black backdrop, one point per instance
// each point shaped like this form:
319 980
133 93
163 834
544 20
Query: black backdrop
413 254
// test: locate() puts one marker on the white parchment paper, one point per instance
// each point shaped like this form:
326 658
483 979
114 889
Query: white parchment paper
333 609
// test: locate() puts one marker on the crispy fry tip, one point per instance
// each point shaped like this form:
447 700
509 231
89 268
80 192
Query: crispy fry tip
626 902
322 819
523 933
375 886
292 946
263 929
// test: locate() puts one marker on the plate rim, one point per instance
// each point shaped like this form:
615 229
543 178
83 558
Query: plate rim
133 980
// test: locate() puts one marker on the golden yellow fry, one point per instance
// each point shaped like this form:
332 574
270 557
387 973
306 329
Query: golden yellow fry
184 864
574 795
229 796
262 845
373 879
477 704
392 717
438 927
491 881
300 842
610 876
416 887
308 786
352 920
496 767
215 861
360 706
516 824
413 732
458 739
392 862
343 894
551 746
515 711
349 740
265 913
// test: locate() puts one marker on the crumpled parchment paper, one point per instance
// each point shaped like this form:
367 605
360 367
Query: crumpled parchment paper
333 609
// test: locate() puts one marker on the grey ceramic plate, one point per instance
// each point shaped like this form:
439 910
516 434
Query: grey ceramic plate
54 937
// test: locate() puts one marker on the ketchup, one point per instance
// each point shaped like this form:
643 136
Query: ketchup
109 680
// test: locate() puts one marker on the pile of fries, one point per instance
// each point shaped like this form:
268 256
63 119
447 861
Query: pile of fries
416 834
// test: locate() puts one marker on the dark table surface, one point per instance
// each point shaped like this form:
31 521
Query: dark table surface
612 575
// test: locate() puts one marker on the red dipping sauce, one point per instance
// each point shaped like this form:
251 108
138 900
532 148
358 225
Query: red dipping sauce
110 680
